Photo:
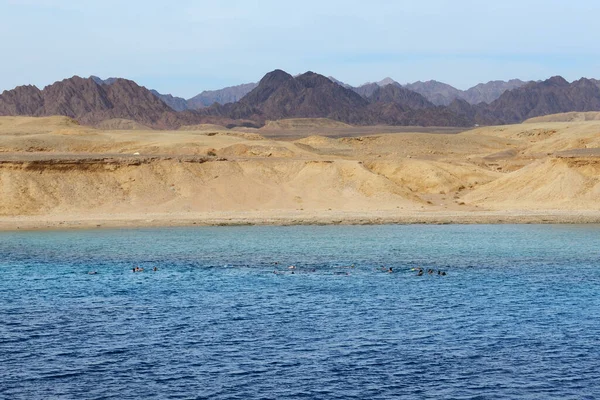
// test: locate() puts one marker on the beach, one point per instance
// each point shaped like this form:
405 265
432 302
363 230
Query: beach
284 218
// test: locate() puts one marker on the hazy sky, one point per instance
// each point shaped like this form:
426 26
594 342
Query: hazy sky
183 47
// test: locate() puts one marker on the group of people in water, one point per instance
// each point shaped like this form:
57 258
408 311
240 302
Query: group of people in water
430 271
390 270
138 269
292 270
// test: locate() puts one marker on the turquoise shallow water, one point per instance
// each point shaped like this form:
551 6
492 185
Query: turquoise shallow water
516 317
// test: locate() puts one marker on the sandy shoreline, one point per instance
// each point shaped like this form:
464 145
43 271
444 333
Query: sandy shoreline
60 222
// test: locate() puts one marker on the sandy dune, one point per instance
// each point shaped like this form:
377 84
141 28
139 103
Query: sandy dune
55 173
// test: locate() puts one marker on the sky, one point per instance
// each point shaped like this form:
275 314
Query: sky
184 47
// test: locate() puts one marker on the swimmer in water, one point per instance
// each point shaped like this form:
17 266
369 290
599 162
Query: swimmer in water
154 269
390 270
420 273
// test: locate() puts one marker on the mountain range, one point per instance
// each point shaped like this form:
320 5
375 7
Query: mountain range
436 92
280 95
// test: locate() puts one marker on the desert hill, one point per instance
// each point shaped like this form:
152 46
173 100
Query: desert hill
53 169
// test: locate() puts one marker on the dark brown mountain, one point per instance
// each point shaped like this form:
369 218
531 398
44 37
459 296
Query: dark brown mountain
280 95
395 114
89 102
394 105
552 96
477 113
175 103
22 100
408 99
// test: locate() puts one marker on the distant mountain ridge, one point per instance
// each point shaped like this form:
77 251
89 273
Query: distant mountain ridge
442 94
176 103
438 93
280 95
226 95
207 98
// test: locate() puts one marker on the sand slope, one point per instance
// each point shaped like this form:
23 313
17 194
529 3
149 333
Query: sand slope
556 183
566 117
53 169
165 185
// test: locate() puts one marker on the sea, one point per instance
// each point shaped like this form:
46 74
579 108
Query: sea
225 316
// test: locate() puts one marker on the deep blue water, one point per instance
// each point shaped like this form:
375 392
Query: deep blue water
516 317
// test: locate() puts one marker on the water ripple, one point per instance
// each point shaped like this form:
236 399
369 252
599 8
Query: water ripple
516 316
